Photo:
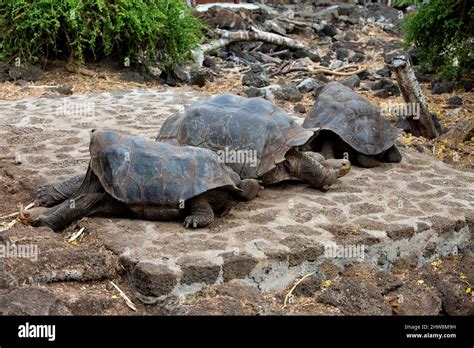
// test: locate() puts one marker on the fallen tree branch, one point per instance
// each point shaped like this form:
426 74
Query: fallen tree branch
422 124
254 34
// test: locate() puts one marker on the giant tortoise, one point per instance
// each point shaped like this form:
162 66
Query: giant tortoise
351 127
135 177
257 139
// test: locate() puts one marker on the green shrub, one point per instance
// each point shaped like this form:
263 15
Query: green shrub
160 31
442 31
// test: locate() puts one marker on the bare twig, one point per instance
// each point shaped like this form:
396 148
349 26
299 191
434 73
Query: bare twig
294 287
76 235
278 53
31 205
125 297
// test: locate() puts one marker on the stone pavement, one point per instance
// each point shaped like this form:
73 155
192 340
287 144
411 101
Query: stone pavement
412 212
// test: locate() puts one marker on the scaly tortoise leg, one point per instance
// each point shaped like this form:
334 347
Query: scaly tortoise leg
250 189
52 194
367 161
200 213
392 155
57 218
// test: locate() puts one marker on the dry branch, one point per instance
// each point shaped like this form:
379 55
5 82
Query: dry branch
412 93
254 34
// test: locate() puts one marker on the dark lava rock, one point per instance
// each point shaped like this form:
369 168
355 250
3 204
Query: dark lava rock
363 75
418 299
351 81
209 62
307 53
32 301
437 124
342 53
253 92
288 93
300 108
356 58
21 83
307 85
455 100
356 297
387 281
381 94
329 30
384 72
152 279
455 301
422 77
326 60
463 130
386 85
440 87
257 77
309 286
27 73
467 84
132 76
200 77
237 266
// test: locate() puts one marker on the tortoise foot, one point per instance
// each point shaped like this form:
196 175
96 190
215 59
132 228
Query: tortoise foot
196 221
367 161
36 216
250 189
48 196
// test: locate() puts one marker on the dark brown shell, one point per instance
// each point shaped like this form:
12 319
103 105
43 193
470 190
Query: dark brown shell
237 123
353 118
140 171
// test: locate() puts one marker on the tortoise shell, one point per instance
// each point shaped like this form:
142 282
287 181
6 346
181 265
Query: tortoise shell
137 170
353 118
229 123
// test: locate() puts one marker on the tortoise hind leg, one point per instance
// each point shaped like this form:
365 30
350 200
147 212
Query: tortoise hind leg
68 211
200 212
392 155
55 193
367 161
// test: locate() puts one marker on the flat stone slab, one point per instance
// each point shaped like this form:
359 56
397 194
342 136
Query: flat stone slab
407 213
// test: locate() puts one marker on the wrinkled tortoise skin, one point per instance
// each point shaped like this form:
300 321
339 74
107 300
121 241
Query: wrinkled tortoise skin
353 118
238 123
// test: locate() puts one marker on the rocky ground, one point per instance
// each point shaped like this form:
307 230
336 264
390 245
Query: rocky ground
414 218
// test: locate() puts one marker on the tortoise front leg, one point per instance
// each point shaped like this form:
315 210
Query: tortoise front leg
367 161
55 193
392 155
200 212
250 189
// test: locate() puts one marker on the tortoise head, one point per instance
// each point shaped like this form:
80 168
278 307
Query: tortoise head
341 166
308 168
